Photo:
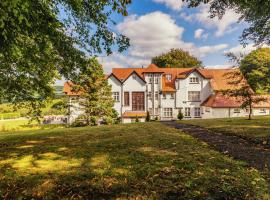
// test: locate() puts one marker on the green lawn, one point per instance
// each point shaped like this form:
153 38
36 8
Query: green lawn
257 128
139 161
23 125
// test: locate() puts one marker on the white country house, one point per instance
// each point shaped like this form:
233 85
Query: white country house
164 92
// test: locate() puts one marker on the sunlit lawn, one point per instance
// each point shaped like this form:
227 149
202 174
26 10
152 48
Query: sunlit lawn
258 127
22 125
143 161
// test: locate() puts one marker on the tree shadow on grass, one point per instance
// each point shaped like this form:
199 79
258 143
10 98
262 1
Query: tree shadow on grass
124 161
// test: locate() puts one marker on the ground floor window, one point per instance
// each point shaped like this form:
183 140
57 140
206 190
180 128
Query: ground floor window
168 112
156 111
262 110
236 110
197 112
187 112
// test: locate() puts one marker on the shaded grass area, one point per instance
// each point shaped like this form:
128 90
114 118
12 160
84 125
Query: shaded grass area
142 160
258 127
23 125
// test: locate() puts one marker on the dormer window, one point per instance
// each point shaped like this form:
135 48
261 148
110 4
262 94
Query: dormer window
194 80
168 77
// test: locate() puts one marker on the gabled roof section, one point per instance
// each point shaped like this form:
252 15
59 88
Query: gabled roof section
152 68
123 73
185 74
221 78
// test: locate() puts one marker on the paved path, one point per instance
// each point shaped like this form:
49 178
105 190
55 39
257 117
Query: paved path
256 156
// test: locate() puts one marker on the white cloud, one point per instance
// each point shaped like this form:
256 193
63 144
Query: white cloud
243 50
226 24
151 35
173 4
225 66
200 34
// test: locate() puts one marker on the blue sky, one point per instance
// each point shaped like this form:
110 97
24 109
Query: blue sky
156 26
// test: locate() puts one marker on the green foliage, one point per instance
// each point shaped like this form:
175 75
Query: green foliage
180 115
255 12
176 58
256 69
39 45
96 98
147 116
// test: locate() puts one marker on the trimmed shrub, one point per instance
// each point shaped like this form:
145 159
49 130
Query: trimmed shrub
147 117
180 115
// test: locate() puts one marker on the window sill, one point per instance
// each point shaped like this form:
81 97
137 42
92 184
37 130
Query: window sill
194 83
194 101
198 117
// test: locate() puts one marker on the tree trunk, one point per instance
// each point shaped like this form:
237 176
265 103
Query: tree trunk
250 112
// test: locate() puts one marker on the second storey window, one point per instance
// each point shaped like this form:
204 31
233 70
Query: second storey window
194 80
150 78
156 95
263 110
164 96
172 95
194 95
156 80
116 96
149 94
126 98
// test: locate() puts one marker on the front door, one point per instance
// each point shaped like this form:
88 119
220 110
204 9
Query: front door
138 101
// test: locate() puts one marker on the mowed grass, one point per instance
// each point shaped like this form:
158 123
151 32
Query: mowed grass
12 125
257 128
134 161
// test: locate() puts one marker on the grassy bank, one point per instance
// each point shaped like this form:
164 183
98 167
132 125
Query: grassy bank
257 128
142 160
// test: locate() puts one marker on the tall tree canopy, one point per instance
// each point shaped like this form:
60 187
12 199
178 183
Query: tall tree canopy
97 96
176 58
256 69
43 40
255 12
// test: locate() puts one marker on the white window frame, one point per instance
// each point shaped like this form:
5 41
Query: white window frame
156 95
168 112
164 95
187 112
156 80
262 110
149 95
168 77
236 110
150 78
116 96
194 96
197 112
193 80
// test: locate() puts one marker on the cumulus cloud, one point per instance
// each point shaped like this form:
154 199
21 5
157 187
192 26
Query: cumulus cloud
226 24
225 66
173 4
151 35
200 34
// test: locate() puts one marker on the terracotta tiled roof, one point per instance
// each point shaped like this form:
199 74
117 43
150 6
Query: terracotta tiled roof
220 100
152 68
68 89
168 86
220 78
134 114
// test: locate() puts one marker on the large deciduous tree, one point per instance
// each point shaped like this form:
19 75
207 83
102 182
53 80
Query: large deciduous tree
43 40
176 58
252 81
256 68
254 12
